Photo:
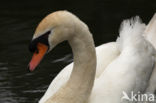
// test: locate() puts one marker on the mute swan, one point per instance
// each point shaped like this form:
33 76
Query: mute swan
62 25
106 53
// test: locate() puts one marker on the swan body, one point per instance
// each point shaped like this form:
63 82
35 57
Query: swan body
106 53
150 34
130 71
77 86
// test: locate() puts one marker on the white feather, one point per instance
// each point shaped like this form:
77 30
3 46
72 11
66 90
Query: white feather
128 72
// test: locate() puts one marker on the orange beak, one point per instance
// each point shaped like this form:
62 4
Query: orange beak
37 56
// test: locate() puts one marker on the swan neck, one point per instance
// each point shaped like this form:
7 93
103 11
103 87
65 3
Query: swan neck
82 77
79 86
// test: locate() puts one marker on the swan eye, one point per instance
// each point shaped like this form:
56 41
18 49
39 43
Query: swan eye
41 39
47 33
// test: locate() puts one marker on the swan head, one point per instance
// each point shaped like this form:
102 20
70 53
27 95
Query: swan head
52 30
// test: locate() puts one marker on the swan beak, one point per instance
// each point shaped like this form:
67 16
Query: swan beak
37 56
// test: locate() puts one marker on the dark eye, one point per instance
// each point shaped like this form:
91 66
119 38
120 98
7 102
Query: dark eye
47 33
41 39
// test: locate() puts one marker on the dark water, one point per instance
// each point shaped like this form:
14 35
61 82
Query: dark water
18 20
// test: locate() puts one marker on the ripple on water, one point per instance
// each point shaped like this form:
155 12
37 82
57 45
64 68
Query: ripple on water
5 94
66 59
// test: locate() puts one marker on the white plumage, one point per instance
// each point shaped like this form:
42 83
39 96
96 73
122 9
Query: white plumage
105 53
128 72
